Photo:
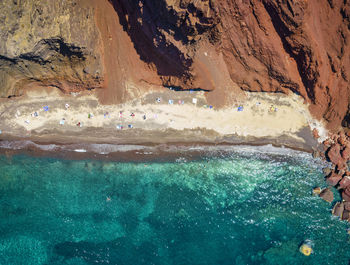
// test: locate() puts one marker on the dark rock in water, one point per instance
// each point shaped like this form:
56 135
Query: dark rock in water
327 195
346 215
346 194
333 179
344 183
338 209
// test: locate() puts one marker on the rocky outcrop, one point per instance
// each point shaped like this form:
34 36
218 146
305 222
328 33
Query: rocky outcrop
48 44
327 195
339 176
221 46
334 179
278 46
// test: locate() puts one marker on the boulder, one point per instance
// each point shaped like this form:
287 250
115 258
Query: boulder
327 171
327 142
333 179
346 152
346 215
316 154
334 138
346 194
344 183
338 209
342 168
347 206
315 133
316 191
327 195
342 139
334 155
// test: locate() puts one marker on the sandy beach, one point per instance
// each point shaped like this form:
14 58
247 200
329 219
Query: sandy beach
158 118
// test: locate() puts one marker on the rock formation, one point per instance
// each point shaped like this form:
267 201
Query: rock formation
125 47
337 146
327 195
48 44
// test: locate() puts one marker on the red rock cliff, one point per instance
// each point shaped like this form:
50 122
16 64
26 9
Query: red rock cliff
222 46
280 46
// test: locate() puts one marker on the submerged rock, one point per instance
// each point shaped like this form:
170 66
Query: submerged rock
306 247
338 209
327 195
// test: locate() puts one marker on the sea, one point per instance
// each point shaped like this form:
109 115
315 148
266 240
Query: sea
238 205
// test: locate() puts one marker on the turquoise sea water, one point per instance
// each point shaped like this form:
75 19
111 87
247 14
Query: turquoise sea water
241 207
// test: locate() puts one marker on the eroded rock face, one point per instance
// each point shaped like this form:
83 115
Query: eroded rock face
278 46
51 43
222 46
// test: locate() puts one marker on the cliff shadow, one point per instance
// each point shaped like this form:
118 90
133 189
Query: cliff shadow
147 25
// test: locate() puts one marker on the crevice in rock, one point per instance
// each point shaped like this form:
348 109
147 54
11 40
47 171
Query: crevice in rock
301 54
179 88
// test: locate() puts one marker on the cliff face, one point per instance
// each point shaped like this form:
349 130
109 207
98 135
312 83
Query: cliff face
48 44
222 46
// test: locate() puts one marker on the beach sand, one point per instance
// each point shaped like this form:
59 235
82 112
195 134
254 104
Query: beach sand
158 118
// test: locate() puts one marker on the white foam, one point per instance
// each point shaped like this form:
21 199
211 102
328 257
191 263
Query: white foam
80 150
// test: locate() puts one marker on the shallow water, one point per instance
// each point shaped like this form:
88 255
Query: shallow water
236 207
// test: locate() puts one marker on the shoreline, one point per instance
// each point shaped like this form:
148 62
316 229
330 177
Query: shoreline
146 151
